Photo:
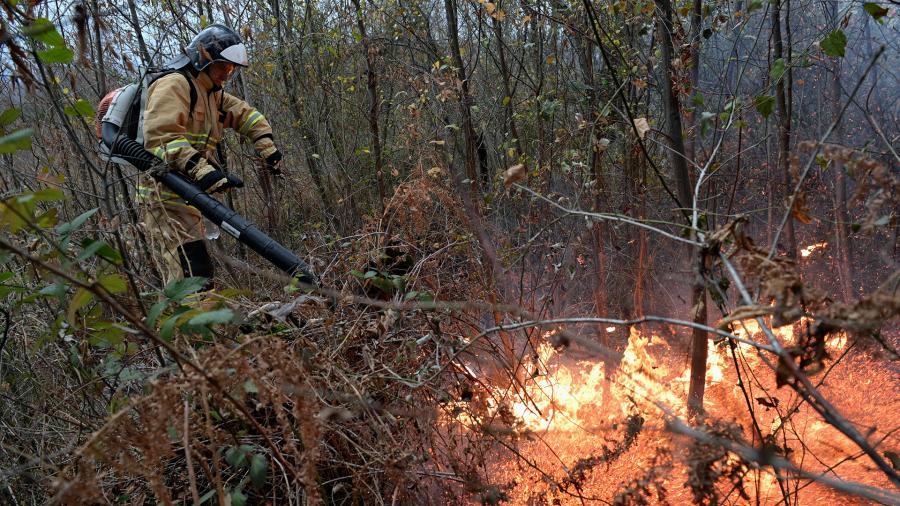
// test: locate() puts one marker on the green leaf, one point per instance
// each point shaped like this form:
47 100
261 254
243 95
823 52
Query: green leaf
20 139
179 289
81 108
49 195
155 311
99 248
259 469
250 387
6 290
48 219
54 290
169 326
765 104
113 283
238 498
43 30
876 11
236 456
9 115
834 43
59 54
697 99
777 70
754 5
68 228
82 298
224 315
383 284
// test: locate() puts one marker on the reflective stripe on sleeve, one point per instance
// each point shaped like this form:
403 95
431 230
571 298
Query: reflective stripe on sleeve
197 140
177 144
251 120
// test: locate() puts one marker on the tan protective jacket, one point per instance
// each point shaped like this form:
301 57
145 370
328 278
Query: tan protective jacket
187 139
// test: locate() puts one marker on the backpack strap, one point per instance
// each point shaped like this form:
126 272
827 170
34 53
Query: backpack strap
190 82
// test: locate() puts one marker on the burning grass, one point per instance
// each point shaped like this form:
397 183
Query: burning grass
580 437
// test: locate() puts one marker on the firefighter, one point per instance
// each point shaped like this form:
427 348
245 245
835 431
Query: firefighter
184 119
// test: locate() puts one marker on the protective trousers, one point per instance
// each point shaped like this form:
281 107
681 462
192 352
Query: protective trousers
176 233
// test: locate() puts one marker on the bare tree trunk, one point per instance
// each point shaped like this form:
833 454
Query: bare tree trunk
691 152
697 387
465 99
372 86
841 218
671 106
640 268
98 42
784 129
876 90
136 26
598 230
507 88
683 184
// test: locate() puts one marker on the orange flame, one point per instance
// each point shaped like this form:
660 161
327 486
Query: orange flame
805 252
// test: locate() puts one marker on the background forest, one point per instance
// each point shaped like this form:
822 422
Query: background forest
623 252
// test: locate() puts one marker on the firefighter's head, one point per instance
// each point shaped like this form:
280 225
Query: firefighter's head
217 50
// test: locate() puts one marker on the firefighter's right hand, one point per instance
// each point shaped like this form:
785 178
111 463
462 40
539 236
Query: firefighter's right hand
232 182
217 181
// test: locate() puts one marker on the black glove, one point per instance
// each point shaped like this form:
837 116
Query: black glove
273 163
233 182
218 181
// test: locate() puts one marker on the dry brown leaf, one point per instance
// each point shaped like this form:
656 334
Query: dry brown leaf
642 126
744 313
800 210
514 174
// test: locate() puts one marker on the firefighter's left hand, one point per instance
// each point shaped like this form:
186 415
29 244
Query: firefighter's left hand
273 164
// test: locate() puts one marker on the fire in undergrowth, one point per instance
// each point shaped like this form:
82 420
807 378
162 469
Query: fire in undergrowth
559 394
564 410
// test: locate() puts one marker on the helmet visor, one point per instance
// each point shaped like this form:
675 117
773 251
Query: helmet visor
236 54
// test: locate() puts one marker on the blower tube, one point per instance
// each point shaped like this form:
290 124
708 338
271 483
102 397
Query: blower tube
226 218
